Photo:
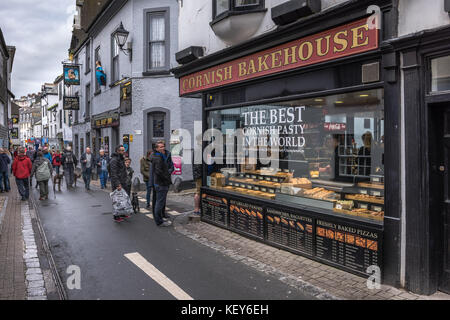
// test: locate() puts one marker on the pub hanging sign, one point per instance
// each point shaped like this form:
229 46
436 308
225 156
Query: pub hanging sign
71 103
71 75
350 39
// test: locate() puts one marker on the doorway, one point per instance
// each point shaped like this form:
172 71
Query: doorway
439 134
157 128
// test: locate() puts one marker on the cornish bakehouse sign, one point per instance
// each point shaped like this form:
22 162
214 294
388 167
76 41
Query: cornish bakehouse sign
343 41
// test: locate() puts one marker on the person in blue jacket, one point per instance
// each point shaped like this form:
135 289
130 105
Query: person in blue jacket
47 154
100 74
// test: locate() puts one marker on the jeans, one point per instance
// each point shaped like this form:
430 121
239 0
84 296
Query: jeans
23 185
57 169
103 178
87 177
4 181
149 190
68 174
161 196
43 188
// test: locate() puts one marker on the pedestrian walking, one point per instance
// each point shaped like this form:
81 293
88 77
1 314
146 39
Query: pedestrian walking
47 154
145 171
87 161
4 169
42 170
162 168
69 162
118 173
130 173
22 170
57 161
102 168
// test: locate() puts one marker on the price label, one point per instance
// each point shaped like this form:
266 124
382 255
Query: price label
339 206
253 177
377 208
271 191
267 178
363 191
261 178
256 188
263 189
376 193
363 206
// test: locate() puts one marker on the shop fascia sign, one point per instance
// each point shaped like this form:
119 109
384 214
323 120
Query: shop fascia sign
350 39
109 119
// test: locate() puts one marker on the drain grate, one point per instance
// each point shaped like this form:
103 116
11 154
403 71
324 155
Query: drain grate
96 206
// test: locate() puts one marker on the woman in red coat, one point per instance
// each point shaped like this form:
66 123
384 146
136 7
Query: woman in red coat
22 169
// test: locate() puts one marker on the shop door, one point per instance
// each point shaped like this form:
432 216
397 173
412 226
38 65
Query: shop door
156 124
440 187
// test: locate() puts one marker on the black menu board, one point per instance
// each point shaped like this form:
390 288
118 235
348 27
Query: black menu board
247 218
290 230
356 248
214 209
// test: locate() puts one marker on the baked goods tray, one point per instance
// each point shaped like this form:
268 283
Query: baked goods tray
368 200
364 190
331 185
323 204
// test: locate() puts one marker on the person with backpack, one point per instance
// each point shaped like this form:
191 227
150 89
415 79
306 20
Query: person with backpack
145 171
69 162
4 168
57 161
42 169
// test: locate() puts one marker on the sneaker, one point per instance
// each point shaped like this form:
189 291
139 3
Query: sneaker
147 206
165 219
197 213
124 216
165 224
118 219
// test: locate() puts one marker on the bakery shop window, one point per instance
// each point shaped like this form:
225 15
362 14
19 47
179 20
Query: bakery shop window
324 153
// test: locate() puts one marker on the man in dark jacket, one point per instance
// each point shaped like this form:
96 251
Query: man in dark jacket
22 169
4 166
118 171
69 162
162 168
87 163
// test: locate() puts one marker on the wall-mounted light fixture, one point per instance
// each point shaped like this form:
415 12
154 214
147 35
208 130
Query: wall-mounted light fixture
121 36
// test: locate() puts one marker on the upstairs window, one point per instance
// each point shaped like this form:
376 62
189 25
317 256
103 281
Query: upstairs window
88 58
157 41
222 7
114 60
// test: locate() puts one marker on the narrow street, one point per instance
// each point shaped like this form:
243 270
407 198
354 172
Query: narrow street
81 232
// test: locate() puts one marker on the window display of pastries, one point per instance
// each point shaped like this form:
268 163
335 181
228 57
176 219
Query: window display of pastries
365 197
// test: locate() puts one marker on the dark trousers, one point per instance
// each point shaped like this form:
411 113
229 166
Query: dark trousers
43 188
87 177
57 169
160 203
149 191
23 185
4 181
127 189
68 175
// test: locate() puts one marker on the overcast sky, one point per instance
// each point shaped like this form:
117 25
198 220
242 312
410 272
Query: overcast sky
41 32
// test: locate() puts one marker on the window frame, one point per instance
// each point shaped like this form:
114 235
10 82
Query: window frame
97 57
88 58
113 59
87 102
148 13
233 9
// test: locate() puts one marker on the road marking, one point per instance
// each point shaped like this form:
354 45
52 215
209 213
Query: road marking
149 216
174 213
158 276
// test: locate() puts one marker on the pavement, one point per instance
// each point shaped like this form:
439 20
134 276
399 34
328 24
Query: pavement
24 270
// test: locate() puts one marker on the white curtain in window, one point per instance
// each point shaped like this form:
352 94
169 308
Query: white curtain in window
157 41
157 28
